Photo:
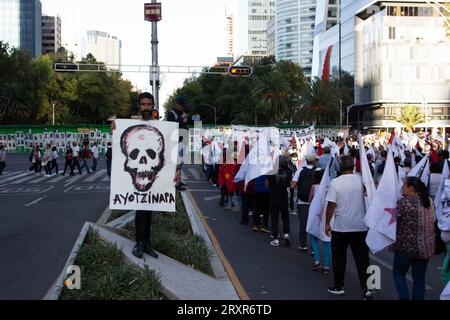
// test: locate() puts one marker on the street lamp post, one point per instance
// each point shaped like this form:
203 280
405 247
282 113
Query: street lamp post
152 13
340 109
53 114
348 111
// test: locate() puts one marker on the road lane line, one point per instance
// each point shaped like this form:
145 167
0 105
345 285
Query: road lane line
73 179
41 179
57 179
194 173
228 268
3 181
212 198
35 201
95 176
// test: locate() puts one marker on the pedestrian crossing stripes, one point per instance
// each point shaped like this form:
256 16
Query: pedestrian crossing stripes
30 178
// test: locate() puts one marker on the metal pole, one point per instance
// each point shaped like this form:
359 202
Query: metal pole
154 73
215 116
340 42
53 117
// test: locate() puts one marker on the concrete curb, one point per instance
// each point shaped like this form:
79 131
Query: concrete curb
199 229
122 221
178 281
104 217
55 290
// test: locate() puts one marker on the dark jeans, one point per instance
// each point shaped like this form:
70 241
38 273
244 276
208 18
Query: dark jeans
262 207
357 242
291 199
48 168
302 211
277 209
36 167
209 172
108 167
76 164
85 164
54 166
143 225
223 195
247 201
94 164
2 166
68 164
401 266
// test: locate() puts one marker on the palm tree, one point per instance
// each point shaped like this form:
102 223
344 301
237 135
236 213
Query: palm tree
318 104
410 117
272 94
12 104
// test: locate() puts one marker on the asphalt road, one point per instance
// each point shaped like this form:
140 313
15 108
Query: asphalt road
284 273
40 219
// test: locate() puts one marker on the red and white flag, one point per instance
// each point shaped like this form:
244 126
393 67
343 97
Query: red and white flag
381 216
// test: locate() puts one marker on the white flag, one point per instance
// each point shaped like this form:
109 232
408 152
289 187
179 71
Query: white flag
317 209
415 171
437 198
366 174
382 214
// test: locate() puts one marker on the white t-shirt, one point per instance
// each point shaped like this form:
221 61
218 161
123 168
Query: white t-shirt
94 150
75 151
347 192
297 176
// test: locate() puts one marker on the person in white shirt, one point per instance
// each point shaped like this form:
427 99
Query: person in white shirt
304 180
75 157
54 160
94 151
346 203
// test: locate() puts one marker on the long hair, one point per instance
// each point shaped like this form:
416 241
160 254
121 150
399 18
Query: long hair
421 190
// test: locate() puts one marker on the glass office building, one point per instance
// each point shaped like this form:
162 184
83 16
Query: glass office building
20 25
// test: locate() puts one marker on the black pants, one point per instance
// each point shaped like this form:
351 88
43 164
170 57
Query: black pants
357 242
291 199
216 174
54 166
277 209
76 164
68 164
223 195
47 168
262 207
247 201
36 167
2 166
143 225
302 211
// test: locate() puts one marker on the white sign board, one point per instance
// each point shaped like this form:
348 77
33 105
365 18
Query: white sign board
144 162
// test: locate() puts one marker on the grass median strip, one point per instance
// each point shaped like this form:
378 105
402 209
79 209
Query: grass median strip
172 236
105 275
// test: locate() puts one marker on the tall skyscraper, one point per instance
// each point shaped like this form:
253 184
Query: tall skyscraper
287 39
20 24
51 34
105 48
230 32
259 13
271 37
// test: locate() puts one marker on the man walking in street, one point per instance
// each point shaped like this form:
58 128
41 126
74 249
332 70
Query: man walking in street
346 203
85 154
108 158
75 157
143 218
325 160
304 180
94 151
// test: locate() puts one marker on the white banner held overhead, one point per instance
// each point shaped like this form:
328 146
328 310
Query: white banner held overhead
145 155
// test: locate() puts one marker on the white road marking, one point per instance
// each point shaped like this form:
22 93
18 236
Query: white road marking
61 177
11 178
95 176
21 180
73 179
212 198
203 190
194 173
35 201
106 179
41 179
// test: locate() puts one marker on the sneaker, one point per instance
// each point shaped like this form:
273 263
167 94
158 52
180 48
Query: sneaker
275 243
326 270
317 266
368 295
303 249
264 230
272 236
255 229
287 240
339 291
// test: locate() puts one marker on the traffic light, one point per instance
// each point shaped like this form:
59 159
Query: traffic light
66 67
241 71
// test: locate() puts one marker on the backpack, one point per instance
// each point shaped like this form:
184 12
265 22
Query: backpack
305 182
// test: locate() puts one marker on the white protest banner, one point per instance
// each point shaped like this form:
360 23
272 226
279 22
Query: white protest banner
144 160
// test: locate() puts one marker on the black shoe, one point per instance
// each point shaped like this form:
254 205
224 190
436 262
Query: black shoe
183 184
180 188
138 250
339 291
148 250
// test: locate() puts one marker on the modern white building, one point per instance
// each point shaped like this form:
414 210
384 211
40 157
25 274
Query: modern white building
398 53
271 38
51 34
287 37
230 32
105 48
75 45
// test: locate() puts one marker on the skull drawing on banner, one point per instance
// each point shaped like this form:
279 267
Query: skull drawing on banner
143 147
